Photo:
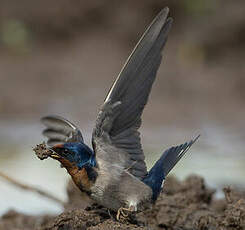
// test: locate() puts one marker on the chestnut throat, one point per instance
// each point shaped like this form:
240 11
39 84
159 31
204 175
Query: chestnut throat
83 178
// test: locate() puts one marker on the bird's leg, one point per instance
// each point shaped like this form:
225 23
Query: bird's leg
123 213
109 213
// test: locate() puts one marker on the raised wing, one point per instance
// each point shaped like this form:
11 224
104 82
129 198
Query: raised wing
59 130
120 116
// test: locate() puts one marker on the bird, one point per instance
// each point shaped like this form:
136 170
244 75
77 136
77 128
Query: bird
113 172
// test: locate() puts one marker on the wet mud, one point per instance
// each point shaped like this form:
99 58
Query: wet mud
182 205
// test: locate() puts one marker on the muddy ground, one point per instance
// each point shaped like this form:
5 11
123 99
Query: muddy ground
182 205
64 56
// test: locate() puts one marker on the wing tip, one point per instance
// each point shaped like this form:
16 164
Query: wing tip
56 118
48 117
161 17
51 117
196 138
163 14
42 119
164 11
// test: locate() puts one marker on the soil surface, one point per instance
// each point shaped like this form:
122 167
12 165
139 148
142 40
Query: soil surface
65 56
182 205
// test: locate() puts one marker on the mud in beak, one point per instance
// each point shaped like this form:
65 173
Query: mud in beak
43 152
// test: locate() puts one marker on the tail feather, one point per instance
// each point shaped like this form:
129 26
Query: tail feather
163 166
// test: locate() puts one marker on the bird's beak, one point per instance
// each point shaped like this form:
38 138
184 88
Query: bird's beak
54 153
55 156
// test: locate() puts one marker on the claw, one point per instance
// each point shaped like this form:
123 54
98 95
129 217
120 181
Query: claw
123 213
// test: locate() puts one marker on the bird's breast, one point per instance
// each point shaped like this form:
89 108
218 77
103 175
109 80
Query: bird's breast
115 188
81 179
79 176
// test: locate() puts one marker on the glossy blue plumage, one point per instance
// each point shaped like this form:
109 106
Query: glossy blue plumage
155 178
80 153
164 165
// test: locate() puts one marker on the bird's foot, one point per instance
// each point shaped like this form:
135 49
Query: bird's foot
123 213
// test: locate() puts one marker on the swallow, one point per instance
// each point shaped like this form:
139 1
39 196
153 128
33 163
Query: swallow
113 172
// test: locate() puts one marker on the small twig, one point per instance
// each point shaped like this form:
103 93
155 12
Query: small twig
30 188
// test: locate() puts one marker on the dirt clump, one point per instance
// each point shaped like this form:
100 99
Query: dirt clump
13 220
182 205
42 151
82 219
234 214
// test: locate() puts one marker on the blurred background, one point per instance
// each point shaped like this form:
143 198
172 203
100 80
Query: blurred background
60 57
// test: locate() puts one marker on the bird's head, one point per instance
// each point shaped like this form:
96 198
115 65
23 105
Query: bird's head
74 154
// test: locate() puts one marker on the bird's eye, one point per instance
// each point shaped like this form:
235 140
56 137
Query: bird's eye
66 151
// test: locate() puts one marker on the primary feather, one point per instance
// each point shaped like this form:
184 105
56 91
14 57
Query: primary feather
130 92
59 130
